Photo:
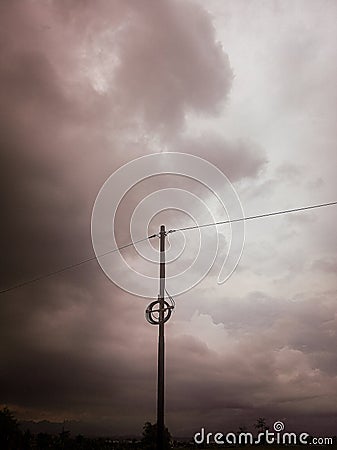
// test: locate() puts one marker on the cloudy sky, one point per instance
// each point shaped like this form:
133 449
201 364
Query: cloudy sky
87 87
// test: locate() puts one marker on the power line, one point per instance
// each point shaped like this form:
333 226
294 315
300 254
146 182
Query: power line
259 216
63 269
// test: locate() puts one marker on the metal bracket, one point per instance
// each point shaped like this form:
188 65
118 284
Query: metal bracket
152 315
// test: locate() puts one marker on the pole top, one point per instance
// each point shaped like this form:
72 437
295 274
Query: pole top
162 228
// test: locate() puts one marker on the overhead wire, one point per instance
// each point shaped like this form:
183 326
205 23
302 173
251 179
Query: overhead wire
258 216
223 222
172 301
71 266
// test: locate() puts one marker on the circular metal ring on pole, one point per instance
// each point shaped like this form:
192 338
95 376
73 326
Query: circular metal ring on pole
152 314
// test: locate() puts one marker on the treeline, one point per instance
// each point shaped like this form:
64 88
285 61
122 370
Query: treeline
13 438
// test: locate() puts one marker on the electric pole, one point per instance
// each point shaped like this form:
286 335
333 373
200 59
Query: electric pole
161 344
158 313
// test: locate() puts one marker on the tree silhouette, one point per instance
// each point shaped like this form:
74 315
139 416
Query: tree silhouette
44 441
64 439
10 434
27 440
261 425
149 439
12 438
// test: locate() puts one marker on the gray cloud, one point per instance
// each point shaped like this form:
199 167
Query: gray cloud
163 74
237 160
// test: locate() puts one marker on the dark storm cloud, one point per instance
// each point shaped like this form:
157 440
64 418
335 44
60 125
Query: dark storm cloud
44 205
74 343
157 61
59 137
171 64
268 351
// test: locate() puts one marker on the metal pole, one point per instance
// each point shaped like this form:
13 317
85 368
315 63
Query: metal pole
161 345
